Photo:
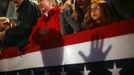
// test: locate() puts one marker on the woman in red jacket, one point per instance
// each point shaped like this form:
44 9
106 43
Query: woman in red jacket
47 29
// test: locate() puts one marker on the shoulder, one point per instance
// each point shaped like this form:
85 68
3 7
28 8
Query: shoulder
56 8
30 4
66 10
33 3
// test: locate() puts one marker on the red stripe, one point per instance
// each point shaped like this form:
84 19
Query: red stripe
107 31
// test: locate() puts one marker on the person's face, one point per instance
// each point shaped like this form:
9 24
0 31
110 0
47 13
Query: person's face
43 5
96 12
5 24
18 2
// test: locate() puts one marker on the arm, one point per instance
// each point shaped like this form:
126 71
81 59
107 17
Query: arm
76 26
28 16
34 35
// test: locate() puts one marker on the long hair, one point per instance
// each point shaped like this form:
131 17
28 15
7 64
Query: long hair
107 13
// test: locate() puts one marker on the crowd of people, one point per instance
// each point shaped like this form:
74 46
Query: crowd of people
45 22
27 15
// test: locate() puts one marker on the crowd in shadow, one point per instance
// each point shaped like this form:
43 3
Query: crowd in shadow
71 16
54 22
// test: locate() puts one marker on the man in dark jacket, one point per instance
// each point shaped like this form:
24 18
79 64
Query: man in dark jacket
27 13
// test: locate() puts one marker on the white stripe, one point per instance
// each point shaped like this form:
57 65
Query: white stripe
121 47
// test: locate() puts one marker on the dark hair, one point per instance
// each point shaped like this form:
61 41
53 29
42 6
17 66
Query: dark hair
77 12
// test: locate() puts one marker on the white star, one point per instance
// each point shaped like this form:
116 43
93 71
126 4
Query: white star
18 73
115 70
63 72
46 72
32 73
85 72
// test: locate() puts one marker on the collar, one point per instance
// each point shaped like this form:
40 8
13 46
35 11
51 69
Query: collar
50 13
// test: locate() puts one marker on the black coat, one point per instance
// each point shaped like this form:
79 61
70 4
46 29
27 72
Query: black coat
28 13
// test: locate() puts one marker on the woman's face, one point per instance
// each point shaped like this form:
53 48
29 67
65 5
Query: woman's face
43 5
96 12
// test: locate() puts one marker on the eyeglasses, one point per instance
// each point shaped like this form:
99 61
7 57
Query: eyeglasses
96 8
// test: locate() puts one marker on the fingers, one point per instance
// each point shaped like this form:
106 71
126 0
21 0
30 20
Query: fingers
107 50
83 55
97 41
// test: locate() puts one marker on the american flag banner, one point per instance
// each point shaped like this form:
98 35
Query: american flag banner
106 50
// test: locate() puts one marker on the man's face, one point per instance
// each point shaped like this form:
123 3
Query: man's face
43 5
18 2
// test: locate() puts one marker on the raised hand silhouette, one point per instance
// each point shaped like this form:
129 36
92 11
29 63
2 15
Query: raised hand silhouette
96 50
96 54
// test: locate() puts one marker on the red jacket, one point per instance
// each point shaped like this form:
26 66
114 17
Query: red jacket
47 28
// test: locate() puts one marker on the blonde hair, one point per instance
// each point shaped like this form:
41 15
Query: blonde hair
98 1
11 22
3 19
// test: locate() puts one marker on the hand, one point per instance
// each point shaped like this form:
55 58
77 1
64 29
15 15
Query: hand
2 35
96 49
